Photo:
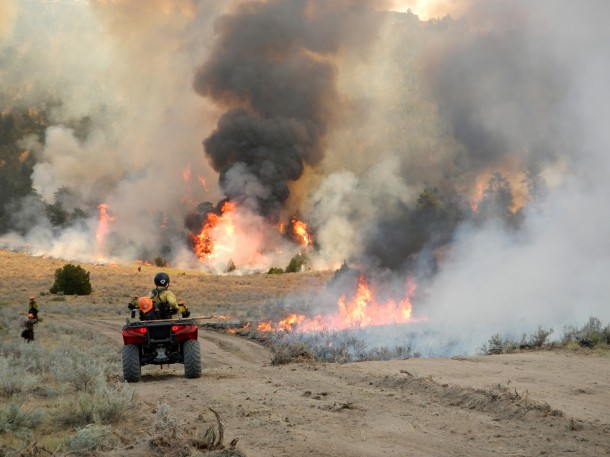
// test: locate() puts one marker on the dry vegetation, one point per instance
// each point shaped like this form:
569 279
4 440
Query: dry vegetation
114 285
64 395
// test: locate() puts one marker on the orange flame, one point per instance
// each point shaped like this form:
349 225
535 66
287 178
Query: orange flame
103 223
231 238
234 330
203 184
361 311
204 242
301 233
186 173
479 192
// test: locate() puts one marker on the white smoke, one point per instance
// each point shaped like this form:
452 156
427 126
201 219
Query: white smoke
126 70
552 271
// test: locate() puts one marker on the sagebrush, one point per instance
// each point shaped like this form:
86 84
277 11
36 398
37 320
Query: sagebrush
71 280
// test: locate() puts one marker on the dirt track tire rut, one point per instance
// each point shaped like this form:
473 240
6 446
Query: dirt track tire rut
221 349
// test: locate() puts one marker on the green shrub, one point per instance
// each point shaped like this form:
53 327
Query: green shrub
498 345
91 438
71 280
80 370
537 339
160 262
76 411
275 271
14 380
297 263
166 422
590 335
13 417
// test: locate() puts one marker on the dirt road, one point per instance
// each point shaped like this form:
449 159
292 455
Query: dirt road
529 404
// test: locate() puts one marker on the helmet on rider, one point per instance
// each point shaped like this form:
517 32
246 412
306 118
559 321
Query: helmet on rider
145 304
161 279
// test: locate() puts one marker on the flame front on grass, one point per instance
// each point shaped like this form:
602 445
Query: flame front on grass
362 310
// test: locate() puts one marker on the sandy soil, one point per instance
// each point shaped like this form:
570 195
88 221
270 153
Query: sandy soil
525 404
529 404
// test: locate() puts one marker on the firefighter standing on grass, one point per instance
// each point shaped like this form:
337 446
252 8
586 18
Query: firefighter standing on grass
28 332
33 307
32 318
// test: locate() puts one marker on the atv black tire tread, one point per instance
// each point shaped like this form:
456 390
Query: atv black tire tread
132 370
192 359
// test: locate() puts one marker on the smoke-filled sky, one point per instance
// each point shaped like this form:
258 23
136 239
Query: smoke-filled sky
340 113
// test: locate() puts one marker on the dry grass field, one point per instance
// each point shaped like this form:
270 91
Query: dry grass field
64 394
114 285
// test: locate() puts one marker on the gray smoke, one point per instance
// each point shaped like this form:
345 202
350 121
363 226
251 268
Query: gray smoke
125 125
517 89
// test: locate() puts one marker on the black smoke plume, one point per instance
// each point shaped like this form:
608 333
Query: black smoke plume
272 67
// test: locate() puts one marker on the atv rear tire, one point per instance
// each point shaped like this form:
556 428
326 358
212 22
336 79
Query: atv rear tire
192 359
132 371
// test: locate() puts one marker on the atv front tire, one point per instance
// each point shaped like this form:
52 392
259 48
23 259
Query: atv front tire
132 371
192 359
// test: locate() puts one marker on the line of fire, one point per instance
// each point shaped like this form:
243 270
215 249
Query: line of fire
221 234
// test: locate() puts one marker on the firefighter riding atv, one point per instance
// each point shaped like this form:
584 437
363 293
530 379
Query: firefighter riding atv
159 342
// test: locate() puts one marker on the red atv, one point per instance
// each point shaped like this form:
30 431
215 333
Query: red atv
161 342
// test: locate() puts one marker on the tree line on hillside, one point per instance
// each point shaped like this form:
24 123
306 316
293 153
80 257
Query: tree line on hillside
17 163
430 222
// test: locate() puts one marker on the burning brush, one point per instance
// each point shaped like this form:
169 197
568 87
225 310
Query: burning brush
232 234
360 328
361 310
354 313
